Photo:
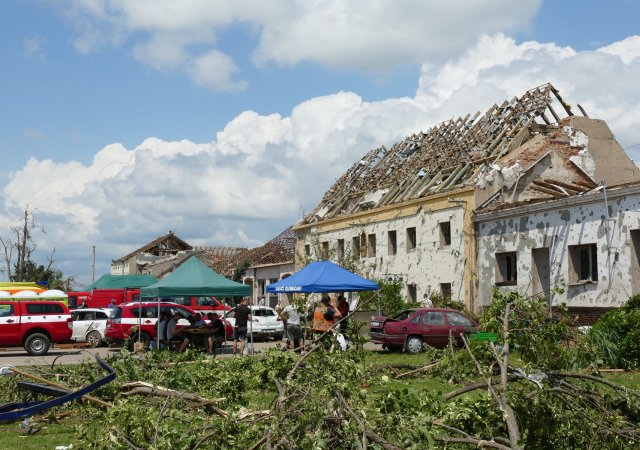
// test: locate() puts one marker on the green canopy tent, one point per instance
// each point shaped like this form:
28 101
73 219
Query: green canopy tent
193 278
122 282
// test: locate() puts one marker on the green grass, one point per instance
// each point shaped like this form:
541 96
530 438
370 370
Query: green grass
48 436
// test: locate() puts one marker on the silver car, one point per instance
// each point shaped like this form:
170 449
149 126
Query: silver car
266 322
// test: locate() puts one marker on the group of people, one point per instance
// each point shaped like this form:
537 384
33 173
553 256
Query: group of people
323 317
169 332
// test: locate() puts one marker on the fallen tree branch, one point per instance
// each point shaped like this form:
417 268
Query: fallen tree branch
584 376
121 435
472 387
418 370
142 388
480 443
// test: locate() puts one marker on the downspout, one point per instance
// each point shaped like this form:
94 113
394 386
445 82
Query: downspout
606 230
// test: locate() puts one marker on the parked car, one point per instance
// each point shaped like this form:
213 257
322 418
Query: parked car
411 329
265 323
34 324
137 320
89 325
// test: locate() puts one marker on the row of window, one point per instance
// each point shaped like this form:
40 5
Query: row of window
583 265
366 246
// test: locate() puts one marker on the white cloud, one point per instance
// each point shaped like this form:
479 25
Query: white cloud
378 35
250 182
627 50
215 70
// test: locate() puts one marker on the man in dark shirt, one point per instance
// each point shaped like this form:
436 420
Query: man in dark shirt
216 328
242 315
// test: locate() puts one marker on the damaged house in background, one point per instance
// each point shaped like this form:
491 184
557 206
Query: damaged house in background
260 266
443 210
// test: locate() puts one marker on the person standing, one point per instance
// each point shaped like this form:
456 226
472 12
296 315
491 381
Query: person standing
261 301
324 315
243 315
294 330
112 303
343 308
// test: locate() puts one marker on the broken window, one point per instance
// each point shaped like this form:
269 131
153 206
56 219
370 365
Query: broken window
355 243
392 242
325 250
583 263
445 290
445 234
371 245
411 239
506 269
412 292
340 249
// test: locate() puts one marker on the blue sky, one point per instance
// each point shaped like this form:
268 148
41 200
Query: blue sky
124 119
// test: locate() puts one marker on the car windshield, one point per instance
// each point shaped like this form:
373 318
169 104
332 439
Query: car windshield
403 315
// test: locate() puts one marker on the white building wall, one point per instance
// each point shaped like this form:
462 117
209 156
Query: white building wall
429 265
558 225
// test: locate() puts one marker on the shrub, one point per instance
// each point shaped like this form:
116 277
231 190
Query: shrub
621 326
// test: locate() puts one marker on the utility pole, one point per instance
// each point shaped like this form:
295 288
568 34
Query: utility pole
93 266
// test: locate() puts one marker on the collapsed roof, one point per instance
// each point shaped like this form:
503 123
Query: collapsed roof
279 250
446 157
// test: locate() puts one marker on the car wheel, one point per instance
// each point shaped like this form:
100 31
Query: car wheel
94 339
278 337
37 344
413 345
142 337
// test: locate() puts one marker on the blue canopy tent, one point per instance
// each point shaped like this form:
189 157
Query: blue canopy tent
322 276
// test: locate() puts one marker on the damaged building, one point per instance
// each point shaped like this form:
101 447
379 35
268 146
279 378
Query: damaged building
561 220
444 210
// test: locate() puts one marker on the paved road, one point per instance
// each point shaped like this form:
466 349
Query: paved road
18 357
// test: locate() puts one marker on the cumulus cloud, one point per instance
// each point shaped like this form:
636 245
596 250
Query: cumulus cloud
496 68
377 36
251 181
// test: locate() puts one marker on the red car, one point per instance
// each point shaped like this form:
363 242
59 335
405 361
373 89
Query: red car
411 329
34 324
127 317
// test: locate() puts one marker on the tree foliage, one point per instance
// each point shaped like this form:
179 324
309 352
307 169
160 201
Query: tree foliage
388 299
485 397
616 335
239 271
